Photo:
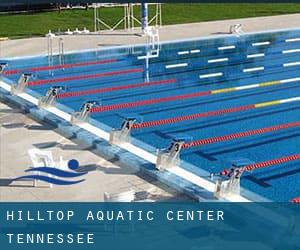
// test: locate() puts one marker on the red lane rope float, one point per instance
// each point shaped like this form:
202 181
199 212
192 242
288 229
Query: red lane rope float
71 78
240 134
191 117
65 66
271 162
296 200
265 164
110 89
148 102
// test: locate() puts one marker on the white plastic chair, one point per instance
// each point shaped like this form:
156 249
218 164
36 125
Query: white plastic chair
69 32
40 158
50 34
85 31
77 31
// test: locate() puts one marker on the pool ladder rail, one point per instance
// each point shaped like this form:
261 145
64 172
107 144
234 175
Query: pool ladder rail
61 53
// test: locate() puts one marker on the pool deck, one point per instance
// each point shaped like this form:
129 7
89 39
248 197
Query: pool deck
106 176
38 45
18 133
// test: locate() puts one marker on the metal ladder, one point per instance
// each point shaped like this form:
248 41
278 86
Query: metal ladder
153 47
50 53
61 51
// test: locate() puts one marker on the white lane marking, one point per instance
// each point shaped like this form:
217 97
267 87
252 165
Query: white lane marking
256 55
186 52
261 43
290 99
226 47
147 56
218 60
211 75
253 69
291 64
183 52
247 87
290 80
179 65
290 51
195 51
292 40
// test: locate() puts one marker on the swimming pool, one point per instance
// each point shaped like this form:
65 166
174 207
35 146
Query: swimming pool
232 99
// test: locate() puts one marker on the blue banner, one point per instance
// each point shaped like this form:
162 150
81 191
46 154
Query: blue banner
150 226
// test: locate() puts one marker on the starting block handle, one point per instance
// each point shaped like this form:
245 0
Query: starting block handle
122 135
169 157
22 83
127 123
3 65
84 113
50 97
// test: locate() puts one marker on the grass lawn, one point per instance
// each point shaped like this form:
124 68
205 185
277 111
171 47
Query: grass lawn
25 25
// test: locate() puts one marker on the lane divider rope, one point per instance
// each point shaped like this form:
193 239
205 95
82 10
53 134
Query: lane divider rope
110 89
240 135
65 66
80 77
147 102
211 113
271 162
296 200
264 164
188 96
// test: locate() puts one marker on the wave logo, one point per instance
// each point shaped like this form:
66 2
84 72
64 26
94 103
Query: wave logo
55 175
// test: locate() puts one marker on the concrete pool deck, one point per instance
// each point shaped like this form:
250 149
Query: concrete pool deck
108 177
38 45
19 133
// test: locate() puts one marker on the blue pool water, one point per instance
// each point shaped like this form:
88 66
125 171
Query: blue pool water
237 61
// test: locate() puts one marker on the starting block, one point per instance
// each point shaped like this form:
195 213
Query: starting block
225 188
122 135
22 84
170 157
3 65
231 185
84 113
50 97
